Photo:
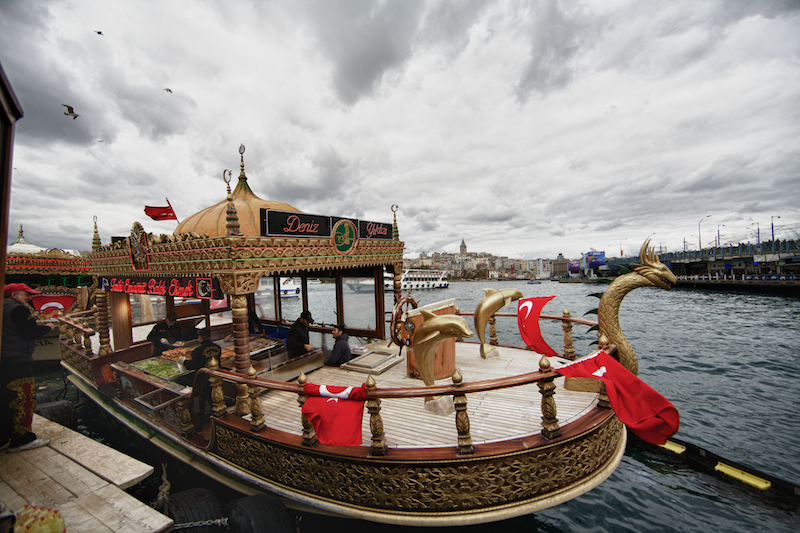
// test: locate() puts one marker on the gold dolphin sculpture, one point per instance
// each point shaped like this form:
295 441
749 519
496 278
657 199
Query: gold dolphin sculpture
487 307
430 334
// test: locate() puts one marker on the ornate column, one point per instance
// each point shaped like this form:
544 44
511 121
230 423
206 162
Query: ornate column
462 418
102 322
569 349
241 343
375 421
550 427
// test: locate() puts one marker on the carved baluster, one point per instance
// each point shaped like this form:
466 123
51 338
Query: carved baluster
309 435
62 331
242 407
602 397
187 425
375 421
569 349
550 427
257 420
102 323
217 395
462 418
493 331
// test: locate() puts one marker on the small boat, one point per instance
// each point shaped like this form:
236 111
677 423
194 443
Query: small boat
290 288
419 278
534 282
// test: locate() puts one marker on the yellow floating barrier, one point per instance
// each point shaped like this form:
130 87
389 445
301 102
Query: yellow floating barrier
674 447
744 477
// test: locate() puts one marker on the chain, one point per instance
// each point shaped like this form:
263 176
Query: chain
201 523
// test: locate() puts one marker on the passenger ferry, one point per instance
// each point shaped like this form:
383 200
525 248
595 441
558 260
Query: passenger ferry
417 278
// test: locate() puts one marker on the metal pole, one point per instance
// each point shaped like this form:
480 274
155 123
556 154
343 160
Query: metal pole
773 227
699 240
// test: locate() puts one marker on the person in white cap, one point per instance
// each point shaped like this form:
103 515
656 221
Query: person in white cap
17 383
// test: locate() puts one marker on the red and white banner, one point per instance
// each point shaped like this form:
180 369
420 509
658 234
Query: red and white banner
646 413
335 413
47 304
528 312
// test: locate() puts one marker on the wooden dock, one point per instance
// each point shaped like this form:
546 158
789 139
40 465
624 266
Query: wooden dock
83 479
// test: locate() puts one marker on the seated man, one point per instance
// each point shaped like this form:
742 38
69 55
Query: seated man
297 343
164 334
200 357
341 348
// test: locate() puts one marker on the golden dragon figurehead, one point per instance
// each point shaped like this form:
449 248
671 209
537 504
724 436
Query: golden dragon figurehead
654 270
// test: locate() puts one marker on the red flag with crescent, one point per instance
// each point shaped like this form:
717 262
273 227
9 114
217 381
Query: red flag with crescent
646 413
161 213
528 311
335 413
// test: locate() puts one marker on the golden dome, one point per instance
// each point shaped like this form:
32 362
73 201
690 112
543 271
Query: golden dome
212 220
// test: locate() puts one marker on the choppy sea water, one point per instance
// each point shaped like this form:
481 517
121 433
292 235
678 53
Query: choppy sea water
727 361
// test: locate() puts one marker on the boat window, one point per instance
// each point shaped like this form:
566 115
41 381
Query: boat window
265 299
146 308
291 293
358 299
322 300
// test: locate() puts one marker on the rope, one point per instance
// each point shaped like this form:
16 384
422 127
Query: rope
163 492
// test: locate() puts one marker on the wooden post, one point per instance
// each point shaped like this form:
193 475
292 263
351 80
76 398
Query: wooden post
462 418
493 331
102 323
187 425
242 407
217 395
550 427
256 411
602 398
309 435
378 447
569 349
241 343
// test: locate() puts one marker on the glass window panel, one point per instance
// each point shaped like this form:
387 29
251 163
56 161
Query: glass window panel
265 299
146 308
291 298
358 298
322 300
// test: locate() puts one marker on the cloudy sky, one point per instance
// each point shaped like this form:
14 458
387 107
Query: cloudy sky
525 128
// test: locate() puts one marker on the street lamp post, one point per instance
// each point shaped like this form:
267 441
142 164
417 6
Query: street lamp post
758 232
718 226
699 240
620 247
773 226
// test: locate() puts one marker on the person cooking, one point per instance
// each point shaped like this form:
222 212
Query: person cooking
164 334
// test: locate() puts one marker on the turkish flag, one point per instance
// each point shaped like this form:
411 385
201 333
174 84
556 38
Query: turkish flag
160 213
48 304
335 413
648 414
528 311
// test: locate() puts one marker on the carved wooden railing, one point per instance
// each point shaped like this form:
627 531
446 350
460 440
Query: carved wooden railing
74 330
459 390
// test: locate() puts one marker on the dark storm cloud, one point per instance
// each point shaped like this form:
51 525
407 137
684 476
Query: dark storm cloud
558 33
364 39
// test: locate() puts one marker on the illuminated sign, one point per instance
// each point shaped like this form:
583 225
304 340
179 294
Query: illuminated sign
595 259
202 288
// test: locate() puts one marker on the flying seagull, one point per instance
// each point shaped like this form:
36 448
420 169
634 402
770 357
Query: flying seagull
99 33
168 90
69 112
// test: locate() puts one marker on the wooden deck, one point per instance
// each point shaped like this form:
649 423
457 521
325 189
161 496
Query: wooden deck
83 479
494 415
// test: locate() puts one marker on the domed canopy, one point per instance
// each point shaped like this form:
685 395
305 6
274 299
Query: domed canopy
212 220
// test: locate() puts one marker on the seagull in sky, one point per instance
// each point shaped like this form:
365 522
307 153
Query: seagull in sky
69 112
99 33
168 90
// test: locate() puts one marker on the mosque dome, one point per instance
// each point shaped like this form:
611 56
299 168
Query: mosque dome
213 220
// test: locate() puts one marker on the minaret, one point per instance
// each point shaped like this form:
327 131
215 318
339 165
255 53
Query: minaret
232 219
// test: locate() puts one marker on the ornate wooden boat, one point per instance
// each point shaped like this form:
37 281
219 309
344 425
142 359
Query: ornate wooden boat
501 437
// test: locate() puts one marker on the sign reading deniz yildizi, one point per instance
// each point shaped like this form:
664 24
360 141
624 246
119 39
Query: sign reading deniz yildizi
289 224
203 288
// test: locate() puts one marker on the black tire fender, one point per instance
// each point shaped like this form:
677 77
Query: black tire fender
260 513
195 505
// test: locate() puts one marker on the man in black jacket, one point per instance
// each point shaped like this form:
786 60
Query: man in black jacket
297 343
341 348
17 383
164 334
